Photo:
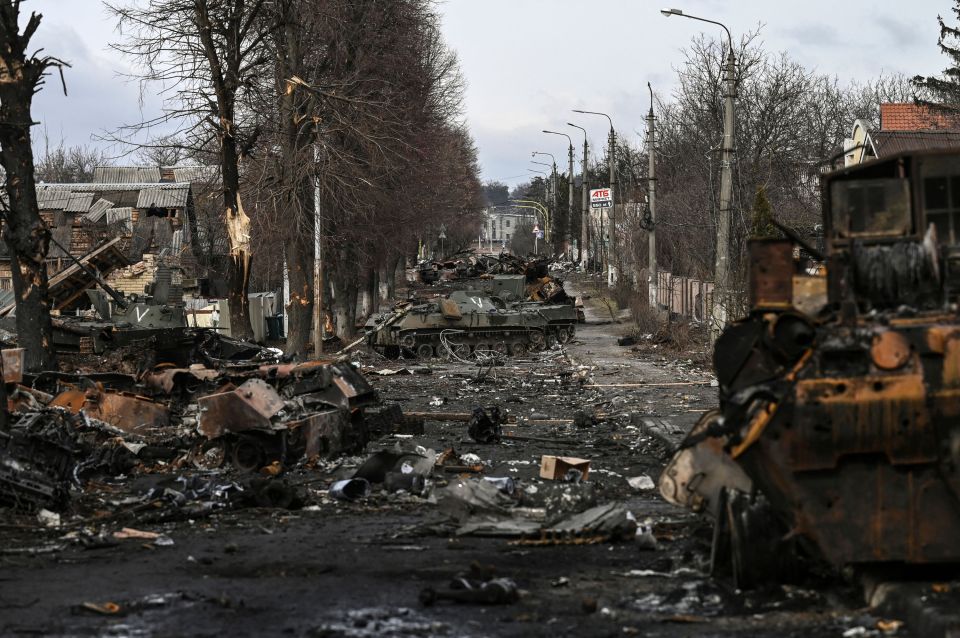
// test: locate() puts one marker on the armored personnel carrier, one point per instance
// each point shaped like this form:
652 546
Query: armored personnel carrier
156 315
562 316
465 323
156 320
839 419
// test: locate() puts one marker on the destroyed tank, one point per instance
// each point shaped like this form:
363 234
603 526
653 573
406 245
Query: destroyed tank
465 323
838 430
561 316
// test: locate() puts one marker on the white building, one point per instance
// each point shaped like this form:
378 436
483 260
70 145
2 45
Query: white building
500 224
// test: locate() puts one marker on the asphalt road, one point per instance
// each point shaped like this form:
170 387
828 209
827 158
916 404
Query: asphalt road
357 569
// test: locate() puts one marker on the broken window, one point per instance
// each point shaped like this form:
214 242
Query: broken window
508 226
871 207
941 198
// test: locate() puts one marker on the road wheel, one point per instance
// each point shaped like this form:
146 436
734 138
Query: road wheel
518 349
551 340
246 455
483 348
408 341
564 334
500 348
425 351
536 341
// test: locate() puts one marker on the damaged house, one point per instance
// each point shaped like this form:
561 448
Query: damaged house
124 224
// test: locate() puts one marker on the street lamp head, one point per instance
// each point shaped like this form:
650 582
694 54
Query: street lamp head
671 12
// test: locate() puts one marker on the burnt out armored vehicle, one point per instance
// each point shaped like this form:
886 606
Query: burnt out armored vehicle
157 318
839 419
466 323
512 291
157 314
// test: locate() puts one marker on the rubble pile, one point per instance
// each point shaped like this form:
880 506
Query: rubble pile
540 284
233 417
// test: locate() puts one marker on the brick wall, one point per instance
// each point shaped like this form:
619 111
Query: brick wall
132 279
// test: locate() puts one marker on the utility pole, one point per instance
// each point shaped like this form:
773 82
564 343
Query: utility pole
585 201
614 199
721 284
721 300
567 241
614 255
651 224
565 228
318 316
556 201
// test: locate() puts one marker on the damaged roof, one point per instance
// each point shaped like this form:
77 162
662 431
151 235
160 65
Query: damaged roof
892 142
164 196
80 198
126 174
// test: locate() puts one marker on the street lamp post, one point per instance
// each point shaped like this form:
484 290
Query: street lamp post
721 285
552 176
585 203
555 195
612 161
565 229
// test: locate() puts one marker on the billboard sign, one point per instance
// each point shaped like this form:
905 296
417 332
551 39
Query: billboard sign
601 197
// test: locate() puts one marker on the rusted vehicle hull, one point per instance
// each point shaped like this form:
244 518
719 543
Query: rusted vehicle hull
839 419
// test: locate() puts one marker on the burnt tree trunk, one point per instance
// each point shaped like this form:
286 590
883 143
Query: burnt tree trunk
25 234
299 251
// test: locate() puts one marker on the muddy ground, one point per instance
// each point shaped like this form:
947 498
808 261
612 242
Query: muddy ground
335 568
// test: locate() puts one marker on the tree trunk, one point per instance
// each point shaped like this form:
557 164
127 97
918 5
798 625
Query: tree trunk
385 273
238 232
345 287
26 235
299 250
370 300
299 221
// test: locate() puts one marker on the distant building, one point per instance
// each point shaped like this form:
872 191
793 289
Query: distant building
903 127
500 225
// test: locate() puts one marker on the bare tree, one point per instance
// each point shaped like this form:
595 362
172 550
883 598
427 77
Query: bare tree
167 150
70 165
27 237
206 55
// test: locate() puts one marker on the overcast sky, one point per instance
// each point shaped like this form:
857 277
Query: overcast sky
528 62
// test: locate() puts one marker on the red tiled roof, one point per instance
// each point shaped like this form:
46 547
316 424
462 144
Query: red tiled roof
914 117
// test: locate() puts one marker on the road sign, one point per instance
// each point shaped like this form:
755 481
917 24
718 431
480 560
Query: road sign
539 234
601 197
536 229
